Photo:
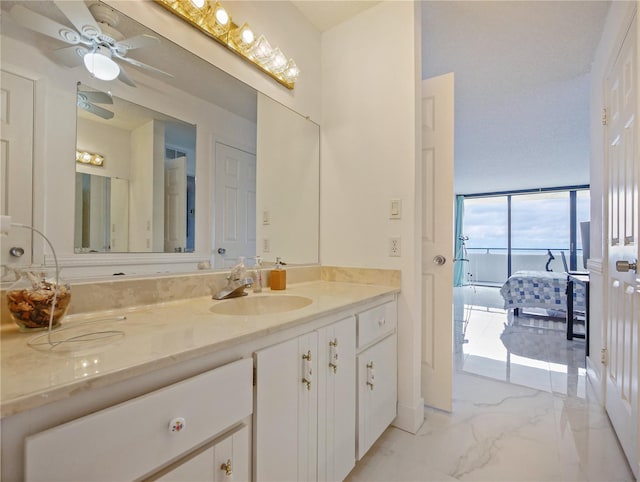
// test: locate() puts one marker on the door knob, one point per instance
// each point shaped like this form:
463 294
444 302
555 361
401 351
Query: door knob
221 250
626 266
16 251
439 259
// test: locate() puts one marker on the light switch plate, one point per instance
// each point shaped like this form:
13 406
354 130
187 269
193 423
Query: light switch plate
395 211
266 217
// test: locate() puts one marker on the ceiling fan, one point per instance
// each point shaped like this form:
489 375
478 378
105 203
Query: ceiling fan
86 100
94 42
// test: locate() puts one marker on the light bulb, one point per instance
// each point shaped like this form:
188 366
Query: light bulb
218 23
243 37
222 17
261 51
292 72
100 65
198 3
278 62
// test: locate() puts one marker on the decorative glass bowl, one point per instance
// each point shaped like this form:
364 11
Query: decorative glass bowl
30 301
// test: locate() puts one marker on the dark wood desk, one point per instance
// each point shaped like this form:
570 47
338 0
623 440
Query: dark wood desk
572 279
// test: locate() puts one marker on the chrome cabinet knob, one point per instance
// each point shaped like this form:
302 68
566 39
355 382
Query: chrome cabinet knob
16 251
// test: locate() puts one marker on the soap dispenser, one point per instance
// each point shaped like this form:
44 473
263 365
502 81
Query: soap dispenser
278 276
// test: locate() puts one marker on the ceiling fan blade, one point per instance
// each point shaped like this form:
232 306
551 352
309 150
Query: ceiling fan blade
139 41
95 97
43 25
80 16
71 56
97 110
142 65
124 77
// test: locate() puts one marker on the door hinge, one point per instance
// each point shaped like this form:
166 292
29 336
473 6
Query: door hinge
604 116
254 375
604 356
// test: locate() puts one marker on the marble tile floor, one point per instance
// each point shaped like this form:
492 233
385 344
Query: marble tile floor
522 411
530 350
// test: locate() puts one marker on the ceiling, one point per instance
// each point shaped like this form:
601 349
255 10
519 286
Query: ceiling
325 14
521 84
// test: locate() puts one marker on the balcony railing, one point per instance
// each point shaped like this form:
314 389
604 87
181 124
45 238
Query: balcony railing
489 265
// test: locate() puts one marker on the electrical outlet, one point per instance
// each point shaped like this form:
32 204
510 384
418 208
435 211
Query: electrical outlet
394 247
265 245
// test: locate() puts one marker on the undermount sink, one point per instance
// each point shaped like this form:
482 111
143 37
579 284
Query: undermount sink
260 305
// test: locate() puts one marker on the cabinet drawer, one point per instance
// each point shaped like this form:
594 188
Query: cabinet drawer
130 440
376 323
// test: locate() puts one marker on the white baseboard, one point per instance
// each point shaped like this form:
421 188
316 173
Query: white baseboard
410 419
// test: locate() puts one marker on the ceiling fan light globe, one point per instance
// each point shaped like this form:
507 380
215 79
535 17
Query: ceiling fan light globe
101 66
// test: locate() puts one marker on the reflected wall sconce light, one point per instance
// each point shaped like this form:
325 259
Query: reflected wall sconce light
211 18
84 157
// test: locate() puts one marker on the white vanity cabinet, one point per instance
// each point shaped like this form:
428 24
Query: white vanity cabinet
139 437
304 424
377 373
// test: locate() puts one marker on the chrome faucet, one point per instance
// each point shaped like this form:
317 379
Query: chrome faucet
237 281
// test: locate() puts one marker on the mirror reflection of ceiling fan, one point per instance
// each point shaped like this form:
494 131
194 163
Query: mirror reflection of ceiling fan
95 42
87 100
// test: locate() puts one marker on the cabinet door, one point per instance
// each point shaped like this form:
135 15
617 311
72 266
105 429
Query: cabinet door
232 457
377 391
225 461
286 405
336 400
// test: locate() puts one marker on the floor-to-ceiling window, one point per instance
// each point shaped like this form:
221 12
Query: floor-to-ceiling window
526 230
539 231
485 229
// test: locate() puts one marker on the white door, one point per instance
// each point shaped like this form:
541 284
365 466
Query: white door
622 241
175 205
235 205
16 161
437 241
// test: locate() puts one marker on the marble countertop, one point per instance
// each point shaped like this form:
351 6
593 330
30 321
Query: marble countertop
150 338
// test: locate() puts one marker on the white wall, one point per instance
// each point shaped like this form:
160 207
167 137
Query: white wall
117 154
370 97
616 25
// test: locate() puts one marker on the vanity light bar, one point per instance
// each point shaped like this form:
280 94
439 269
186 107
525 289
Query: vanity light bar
84 157
212 19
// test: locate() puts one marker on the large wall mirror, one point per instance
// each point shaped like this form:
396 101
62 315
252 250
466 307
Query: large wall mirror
194 162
